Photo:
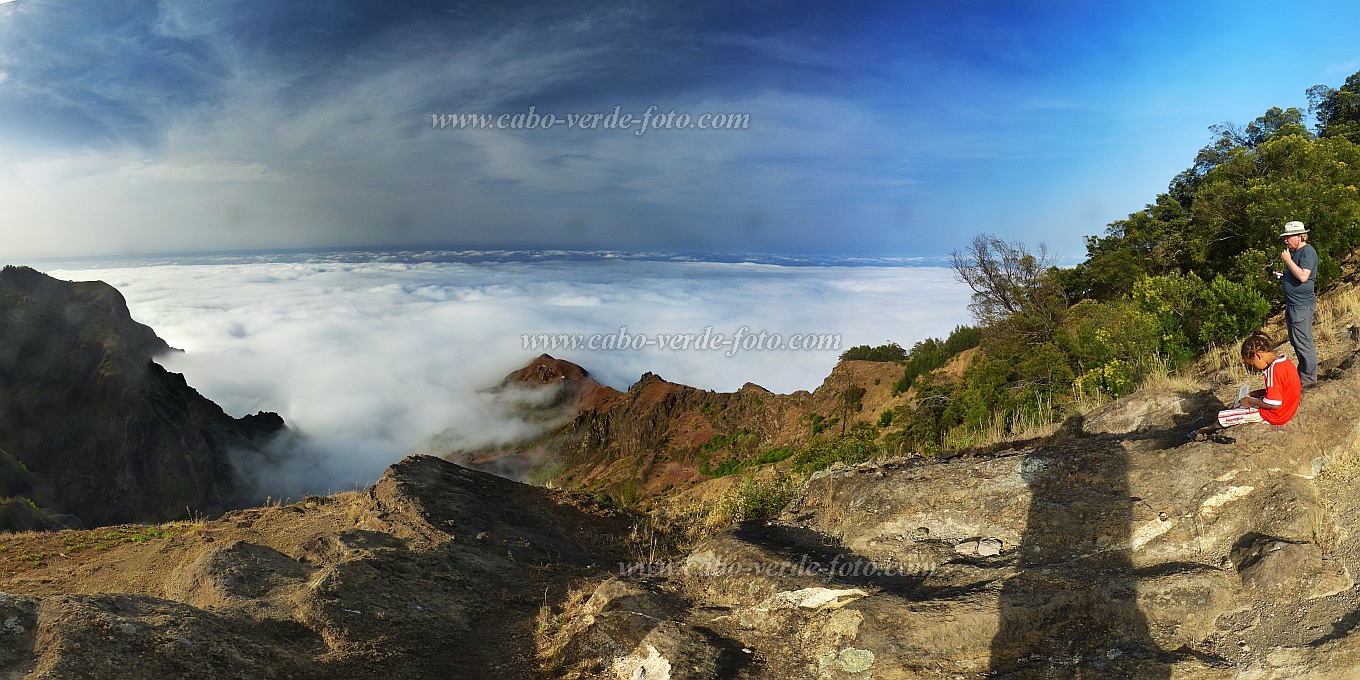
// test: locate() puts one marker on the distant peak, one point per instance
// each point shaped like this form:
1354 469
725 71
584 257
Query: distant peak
544 370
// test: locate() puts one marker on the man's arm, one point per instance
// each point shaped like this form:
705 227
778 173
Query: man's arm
1299 272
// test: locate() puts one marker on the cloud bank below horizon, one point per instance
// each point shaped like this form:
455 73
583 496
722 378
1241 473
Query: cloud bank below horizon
369 360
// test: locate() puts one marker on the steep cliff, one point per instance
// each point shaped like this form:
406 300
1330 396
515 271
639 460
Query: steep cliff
96 427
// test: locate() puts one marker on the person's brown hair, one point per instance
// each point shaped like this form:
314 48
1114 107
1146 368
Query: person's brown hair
1256 342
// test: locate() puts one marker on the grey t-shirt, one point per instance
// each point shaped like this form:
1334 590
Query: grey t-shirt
1298 294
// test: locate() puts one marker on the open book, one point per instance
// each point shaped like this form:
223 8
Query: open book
1243 392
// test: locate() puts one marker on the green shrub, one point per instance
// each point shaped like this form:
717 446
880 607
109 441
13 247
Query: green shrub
759 500
1194 315
819 423
1232 311
853 447
889 352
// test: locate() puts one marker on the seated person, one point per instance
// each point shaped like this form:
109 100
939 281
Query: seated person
1278 402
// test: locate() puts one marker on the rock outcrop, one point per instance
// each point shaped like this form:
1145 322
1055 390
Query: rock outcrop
435 571
94 427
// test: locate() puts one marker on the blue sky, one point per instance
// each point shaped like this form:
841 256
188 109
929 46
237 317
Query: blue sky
876 129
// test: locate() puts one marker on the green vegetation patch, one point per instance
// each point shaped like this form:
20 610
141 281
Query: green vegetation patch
933 353
853 447
733 465
889 352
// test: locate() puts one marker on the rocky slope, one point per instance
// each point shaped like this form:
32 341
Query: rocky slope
436 571
91 426
547 395
1123 550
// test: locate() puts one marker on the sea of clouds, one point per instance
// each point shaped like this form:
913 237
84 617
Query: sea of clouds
368 359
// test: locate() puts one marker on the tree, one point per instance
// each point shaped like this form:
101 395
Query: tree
852 401
889 352
1243 203
1155 240
1229 140
1337 111
1016 293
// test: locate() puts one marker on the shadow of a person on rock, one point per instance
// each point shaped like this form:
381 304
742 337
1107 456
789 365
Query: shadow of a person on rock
1070 610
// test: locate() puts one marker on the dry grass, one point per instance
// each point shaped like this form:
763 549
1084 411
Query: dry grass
1019 426
1159 376
1226 361
753 497
1084 401
1346 304
26 550
1324 323
1336 314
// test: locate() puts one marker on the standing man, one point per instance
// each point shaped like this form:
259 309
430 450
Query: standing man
1299 298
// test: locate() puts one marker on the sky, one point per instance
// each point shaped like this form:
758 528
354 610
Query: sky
878 129
370 359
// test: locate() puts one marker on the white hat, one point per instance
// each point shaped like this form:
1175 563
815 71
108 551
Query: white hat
1294 228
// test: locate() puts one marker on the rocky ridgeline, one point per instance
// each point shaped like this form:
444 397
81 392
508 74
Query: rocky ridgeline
91 428
658 435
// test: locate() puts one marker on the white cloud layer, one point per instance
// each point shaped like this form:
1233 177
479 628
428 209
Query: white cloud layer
370 360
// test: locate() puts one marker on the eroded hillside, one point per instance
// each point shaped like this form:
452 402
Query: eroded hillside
661 438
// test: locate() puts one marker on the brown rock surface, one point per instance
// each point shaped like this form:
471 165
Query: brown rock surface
436 571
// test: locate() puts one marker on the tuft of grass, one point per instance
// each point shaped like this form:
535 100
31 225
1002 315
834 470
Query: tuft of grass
1225 361
1158 375
1003 429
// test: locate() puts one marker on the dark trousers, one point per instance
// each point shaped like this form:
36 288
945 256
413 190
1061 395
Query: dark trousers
1299 321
